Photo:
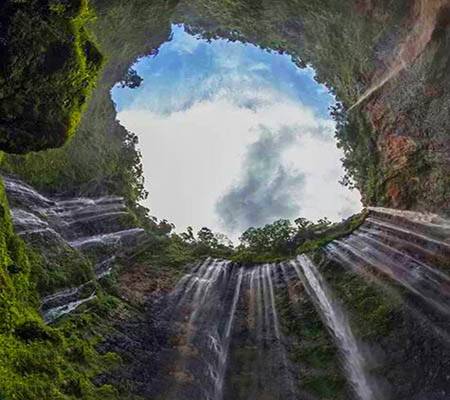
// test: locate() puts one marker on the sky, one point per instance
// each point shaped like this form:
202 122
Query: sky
233 136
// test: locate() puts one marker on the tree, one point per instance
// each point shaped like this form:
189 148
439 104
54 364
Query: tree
188 236
165 227
131 80
223 240
206 237
302 223
275 237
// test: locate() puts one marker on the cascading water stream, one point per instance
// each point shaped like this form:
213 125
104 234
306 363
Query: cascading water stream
429 240
406 265
71 225
205 306
279 339
224 347
337 322
224 315
57 312
209 295
429 219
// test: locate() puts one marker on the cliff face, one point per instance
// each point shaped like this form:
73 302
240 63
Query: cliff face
48 67
405 104
365 316
387 64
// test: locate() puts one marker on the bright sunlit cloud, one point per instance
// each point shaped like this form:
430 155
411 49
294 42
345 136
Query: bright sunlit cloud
233 136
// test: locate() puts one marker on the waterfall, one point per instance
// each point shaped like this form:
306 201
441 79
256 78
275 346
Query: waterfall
80 221
336 319
260 306
227 322
204 304
98 228
230 337
208 307
57 312
415 216
107 239
223 354
276 323
387 243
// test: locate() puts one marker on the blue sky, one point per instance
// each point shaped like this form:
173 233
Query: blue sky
233 136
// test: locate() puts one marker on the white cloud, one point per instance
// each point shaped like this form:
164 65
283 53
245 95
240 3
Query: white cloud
226 140
195 157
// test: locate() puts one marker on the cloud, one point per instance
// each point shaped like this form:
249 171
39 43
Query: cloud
277 161
291 170
230 116
188 71
267 188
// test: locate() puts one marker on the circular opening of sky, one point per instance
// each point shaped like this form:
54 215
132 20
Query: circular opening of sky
233 136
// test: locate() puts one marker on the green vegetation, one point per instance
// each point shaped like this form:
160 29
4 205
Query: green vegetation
49 65
47 71
57 266
167 249
282 240
356 138
373 314
36 361
312 346
102 157
274 242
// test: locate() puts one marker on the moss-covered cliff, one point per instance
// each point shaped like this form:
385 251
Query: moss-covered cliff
396 148
37 361
49 65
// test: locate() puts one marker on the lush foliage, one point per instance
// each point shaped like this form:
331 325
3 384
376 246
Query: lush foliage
372 312
311 345
102 157
38 362
282 239
355 136
48 67
168 249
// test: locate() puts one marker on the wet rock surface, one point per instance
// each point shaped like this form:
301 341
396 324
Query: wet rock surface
88 231
228 331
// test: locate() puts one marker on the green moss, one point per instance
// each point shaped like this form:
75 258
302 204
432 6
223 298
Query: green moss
373 314
326 387
48 71
37 361
334 232
58 266
312 347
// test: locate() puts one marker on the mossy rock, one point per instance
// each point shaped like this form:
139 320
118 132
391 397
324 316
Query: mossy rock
48 67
